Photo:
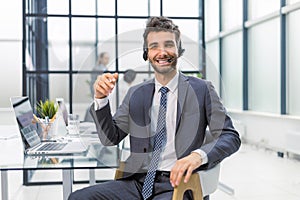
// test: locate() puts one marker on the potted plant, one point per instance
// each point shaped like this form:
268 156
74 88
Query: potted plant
47 109
47 113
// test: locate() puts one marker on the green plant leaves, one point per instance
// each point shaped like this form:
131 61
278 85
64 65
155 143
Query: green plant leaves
47 108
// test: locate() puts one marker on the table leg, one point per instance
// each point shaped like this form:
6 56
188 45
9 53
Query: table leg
4 185
67 182
92 177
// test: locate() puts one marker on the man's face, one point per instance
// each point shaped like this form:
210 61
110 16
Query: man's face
162 51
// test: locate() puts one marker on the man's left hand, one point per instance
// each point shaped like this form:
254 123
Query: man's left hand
185 166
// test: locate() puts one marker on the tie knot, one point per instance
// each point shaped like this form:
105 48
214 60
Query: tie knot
164 90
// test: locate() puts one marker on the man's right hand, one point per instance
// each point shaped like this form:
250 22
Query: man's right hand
104 85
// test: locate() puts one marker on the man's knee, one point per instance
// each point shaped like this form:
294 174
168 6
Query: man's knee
88 193
76 195
97 192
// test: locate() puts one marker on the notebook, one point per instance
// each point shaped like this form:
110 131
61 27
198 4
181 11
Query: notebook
30 133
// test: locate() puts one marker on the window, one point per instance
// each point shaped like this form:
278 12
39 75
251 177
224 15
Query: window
232 71
232 14
255 47
211 18
264 67
213 63
258 8
63 45
293 61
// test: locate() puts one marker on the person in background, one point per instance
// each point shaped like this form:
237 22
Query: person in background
101 67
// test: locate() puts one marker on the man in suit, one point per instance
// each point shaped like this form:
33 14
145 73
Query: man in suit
166 119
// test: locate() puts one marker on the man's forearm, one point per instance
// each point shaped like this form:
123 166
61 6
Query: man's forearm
109 133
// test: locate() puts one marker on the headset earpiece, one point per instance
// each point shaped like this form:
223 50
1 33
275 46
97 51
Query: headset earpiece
180 49
145 53
180 52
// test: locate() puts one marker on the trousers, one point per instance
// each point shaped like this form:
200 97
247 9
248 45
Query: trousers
128 189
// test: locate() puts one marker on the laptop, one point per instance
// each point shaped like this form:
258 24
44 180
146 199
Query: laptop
64 113
30 133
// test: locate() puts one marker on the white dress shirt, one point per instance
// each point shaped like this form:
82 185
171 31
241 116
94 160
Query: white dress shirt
168 155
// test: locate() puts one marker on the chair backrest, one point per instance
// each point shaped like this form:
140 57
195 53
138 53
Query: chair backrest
209 180
124 146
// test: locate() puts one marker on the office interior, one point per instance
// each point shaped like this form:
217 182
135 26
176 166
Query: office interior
248 49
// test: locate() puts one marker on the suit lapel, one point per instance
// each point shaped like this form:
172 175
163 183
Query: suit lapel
183 85
148 99
148 93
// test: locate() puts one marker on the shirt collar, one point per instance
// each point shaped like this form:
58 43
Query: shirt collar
172 85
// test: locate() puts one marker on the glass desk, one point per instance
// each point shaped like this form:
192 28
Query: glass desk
97 156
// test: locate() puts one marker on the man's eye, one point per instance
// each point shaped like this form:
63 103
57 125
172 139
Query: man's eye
153 47
169 45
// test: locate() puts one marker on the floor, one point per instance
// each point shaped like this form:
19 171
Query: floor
253 173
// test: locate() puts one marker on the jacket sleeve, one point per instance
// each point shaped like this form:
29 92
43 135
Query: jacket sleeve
112 129
226 139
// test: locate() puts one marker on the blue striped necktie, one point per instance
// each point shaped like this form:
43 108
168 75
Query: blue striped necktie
160 140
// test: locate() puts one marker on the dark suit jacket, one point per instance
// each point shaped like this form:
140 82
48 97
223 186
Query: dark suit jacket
198 107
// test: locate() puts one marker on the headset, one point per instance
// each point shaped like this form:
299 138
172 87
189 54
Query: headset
145 51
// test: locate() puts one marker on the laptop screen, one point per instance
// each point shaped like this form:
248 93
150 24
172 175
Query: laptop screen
25 120
62 109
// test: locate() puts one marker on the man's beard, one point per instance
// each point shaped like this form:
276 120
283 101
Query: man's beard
165 69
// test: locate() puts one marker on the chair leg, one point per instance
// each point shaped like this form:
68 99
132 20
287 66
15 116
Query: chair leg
206 198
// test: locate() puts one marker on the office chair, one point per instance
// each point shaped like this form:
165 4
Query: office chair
201 184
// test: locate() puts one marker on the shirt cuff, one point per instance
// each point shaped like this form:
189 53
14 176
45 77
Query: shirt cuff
203 156
100 103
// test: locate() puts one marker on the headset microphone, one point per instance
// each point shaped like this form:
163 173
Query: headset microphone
170 60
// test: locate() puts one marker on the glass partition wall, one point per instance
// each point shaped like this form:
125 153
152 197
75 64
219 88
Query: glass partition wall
62 41
255 47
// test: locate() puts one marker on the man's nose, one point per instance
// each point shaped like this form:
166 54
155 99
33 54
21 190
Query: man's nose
162 50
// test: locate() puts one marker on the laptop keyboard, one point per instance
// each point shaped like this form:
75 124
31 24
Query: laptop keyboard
52 147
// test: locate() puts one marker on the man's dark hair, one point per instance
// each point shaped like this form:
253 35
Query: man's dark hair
157 24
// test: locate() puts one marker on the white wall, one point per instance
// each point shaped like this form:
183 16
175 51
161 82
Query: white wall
10 51
7 117
268 130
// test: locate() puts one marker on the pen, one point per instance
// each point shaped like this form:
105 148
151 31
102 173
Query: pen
39 121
